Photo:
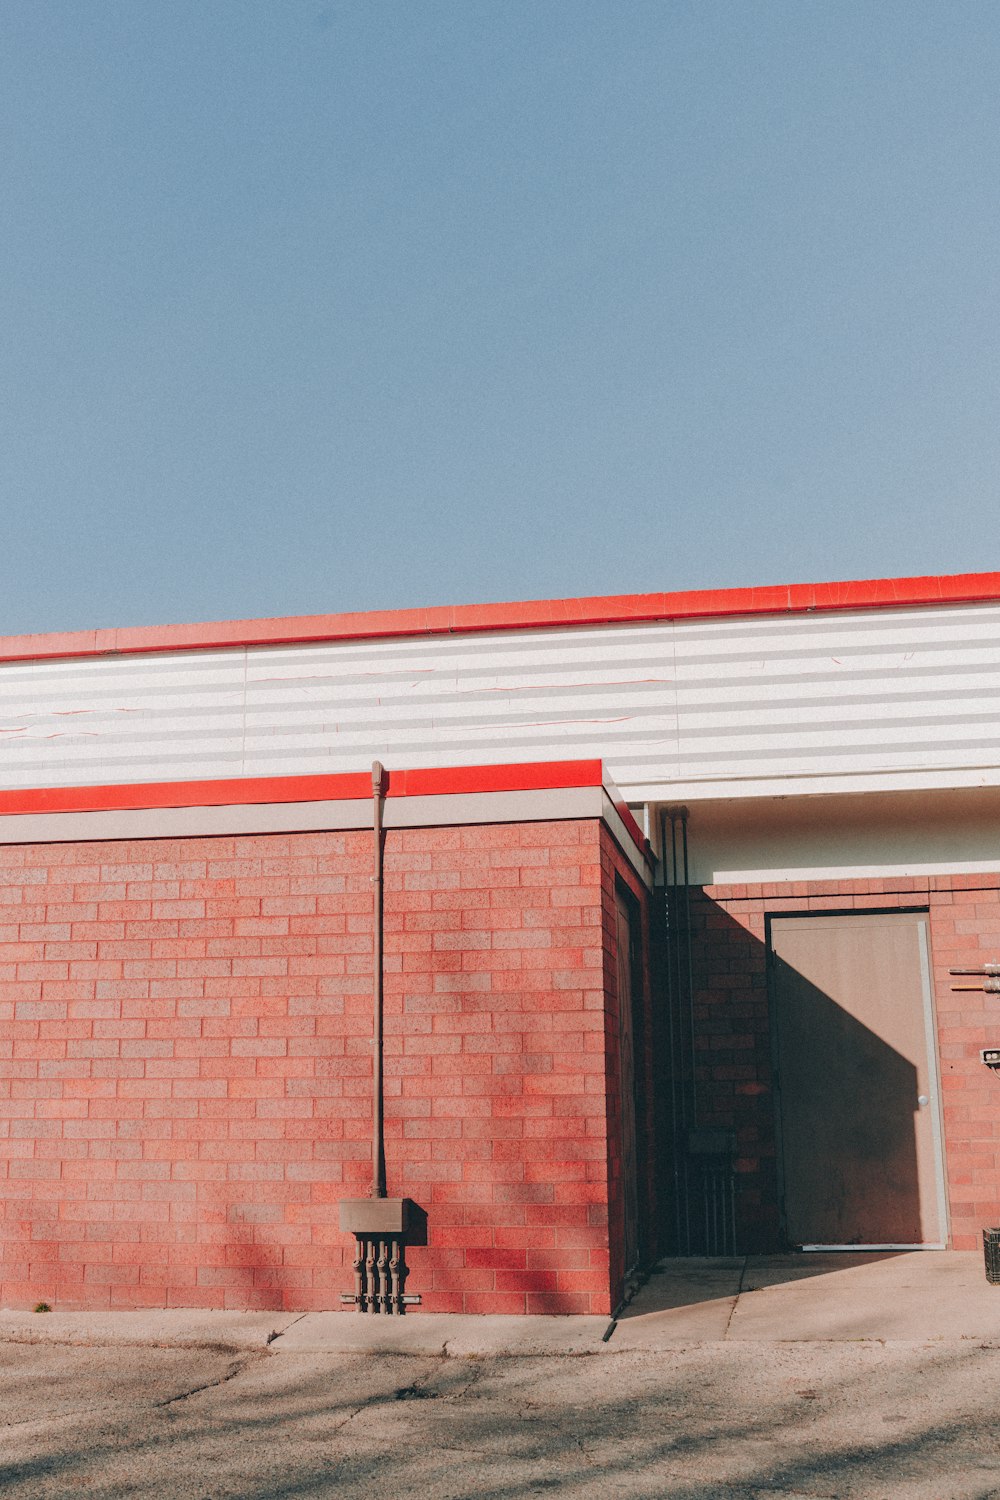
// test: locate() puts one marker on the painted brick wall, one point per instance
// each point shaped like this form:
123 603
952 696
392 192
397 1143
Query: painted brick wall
495 1111
185 1066
734 1032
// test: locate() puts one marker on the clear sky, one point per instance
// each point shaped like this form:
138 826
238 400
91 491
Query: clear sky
315 305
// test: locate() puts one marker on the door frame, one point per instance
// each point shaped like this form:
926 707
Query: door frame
933 1071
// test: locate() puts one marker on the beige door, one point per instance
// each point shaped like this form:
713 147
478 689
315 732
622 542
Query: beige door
858 1108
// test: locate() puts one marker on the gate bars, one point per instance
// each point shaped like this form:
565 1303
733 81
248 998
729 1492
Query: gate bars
703 1218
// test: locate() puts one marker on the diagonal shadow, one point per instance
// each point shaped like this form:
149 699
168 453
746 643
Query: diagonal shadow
693 1425
831 1160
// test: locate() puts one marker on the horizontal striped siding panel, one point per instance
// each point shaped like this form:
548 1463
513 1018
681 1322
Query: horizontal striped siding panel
774 697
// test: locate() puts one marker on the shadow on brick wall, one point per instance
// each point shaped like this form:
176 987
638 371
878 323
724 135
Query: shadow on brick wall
829 1159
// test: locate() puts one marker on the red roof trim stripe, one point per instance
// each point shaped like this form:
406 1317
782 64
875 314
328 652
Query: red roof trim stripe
153 794
537 614
344 787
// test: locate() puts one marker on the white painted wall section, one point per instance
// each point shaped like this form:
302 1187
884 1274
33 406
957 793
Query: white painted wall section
686 710
764 840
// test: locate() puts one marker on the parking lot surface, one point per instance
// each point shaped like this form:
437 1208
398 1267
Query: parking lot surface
214 1405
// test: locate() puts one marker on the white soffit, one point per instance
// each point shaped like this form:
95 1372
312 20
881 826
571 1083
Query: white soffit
827 838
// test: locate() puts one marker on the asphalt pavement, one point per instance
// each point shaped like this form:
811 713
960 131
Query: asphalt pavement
871 1376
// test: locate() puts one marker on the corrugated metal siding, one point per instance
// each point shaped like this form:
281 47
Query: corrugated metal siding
736 702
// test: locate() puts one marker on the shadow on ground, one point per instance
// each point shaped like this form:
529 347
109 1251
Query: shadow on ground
736 1420
686 1282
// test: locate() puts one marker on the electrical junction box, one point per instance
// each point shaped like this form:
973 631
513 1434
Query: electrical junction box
991 1057
375 1216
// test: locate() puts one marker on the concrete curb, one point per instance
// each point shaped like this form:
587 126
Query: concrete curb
443 1334
180 1328
908 1298
331 1333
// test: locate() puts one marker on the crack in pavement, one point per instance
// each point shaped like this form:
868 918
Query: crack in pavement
415 1390
475 1376
476 1373
349 1419
237 1367
279 1333
736 1299
416 1386
74 1414
559 1425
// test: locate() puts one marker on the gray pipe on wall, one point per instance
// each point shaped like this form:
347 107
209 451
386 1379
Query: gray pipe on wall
378 994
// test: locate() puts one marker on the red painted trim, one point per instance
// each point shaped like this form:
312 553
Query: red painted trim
151 794
539 614
344 787
530 777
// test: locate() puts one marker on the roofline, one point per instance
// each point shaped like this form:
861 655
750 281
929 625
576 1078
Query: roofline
533 614
348 786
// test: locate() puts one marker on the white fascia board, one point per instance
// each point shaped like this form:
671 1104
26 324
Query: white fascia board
729 787
643 867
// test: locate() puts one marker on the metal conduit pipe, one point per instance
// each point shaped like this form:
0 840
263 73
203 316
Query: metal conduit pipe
378 1223
681 813
680 1003
378 988
670 1008
673 1050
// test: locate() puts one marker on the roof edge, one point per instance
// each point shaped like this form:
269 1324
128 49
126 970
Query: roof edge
331 787
350 786
532 614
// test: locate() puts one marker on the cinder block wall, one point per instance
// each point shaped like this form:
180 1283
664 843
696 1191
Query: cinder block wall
734 1046
185 1066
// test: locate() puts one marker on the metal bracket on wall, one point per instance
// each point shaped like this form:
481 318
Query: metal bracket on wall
379 1227
379 1276
988 975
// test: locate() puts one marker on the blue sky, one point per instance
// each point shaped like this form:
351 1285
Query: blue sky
347 304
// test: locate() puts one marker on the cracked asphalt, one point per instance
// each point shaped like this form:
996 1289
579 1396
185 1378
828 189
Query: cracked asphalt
736 1419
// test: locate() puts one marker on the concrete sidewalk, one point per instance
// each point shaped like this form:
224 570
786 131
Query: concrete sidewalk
928 1296
914 1296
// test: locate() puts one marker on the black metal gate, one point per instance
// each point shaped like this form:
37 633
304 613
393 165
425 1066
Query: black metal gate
699 1182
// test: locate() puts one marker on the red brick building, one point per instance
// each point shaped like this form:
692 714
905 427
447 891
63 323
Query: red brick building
722 1022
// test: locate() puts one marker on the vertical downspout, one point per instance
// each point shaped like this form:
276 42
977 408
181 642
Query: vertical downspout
682 813
673 1050
680 1000
378 1125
